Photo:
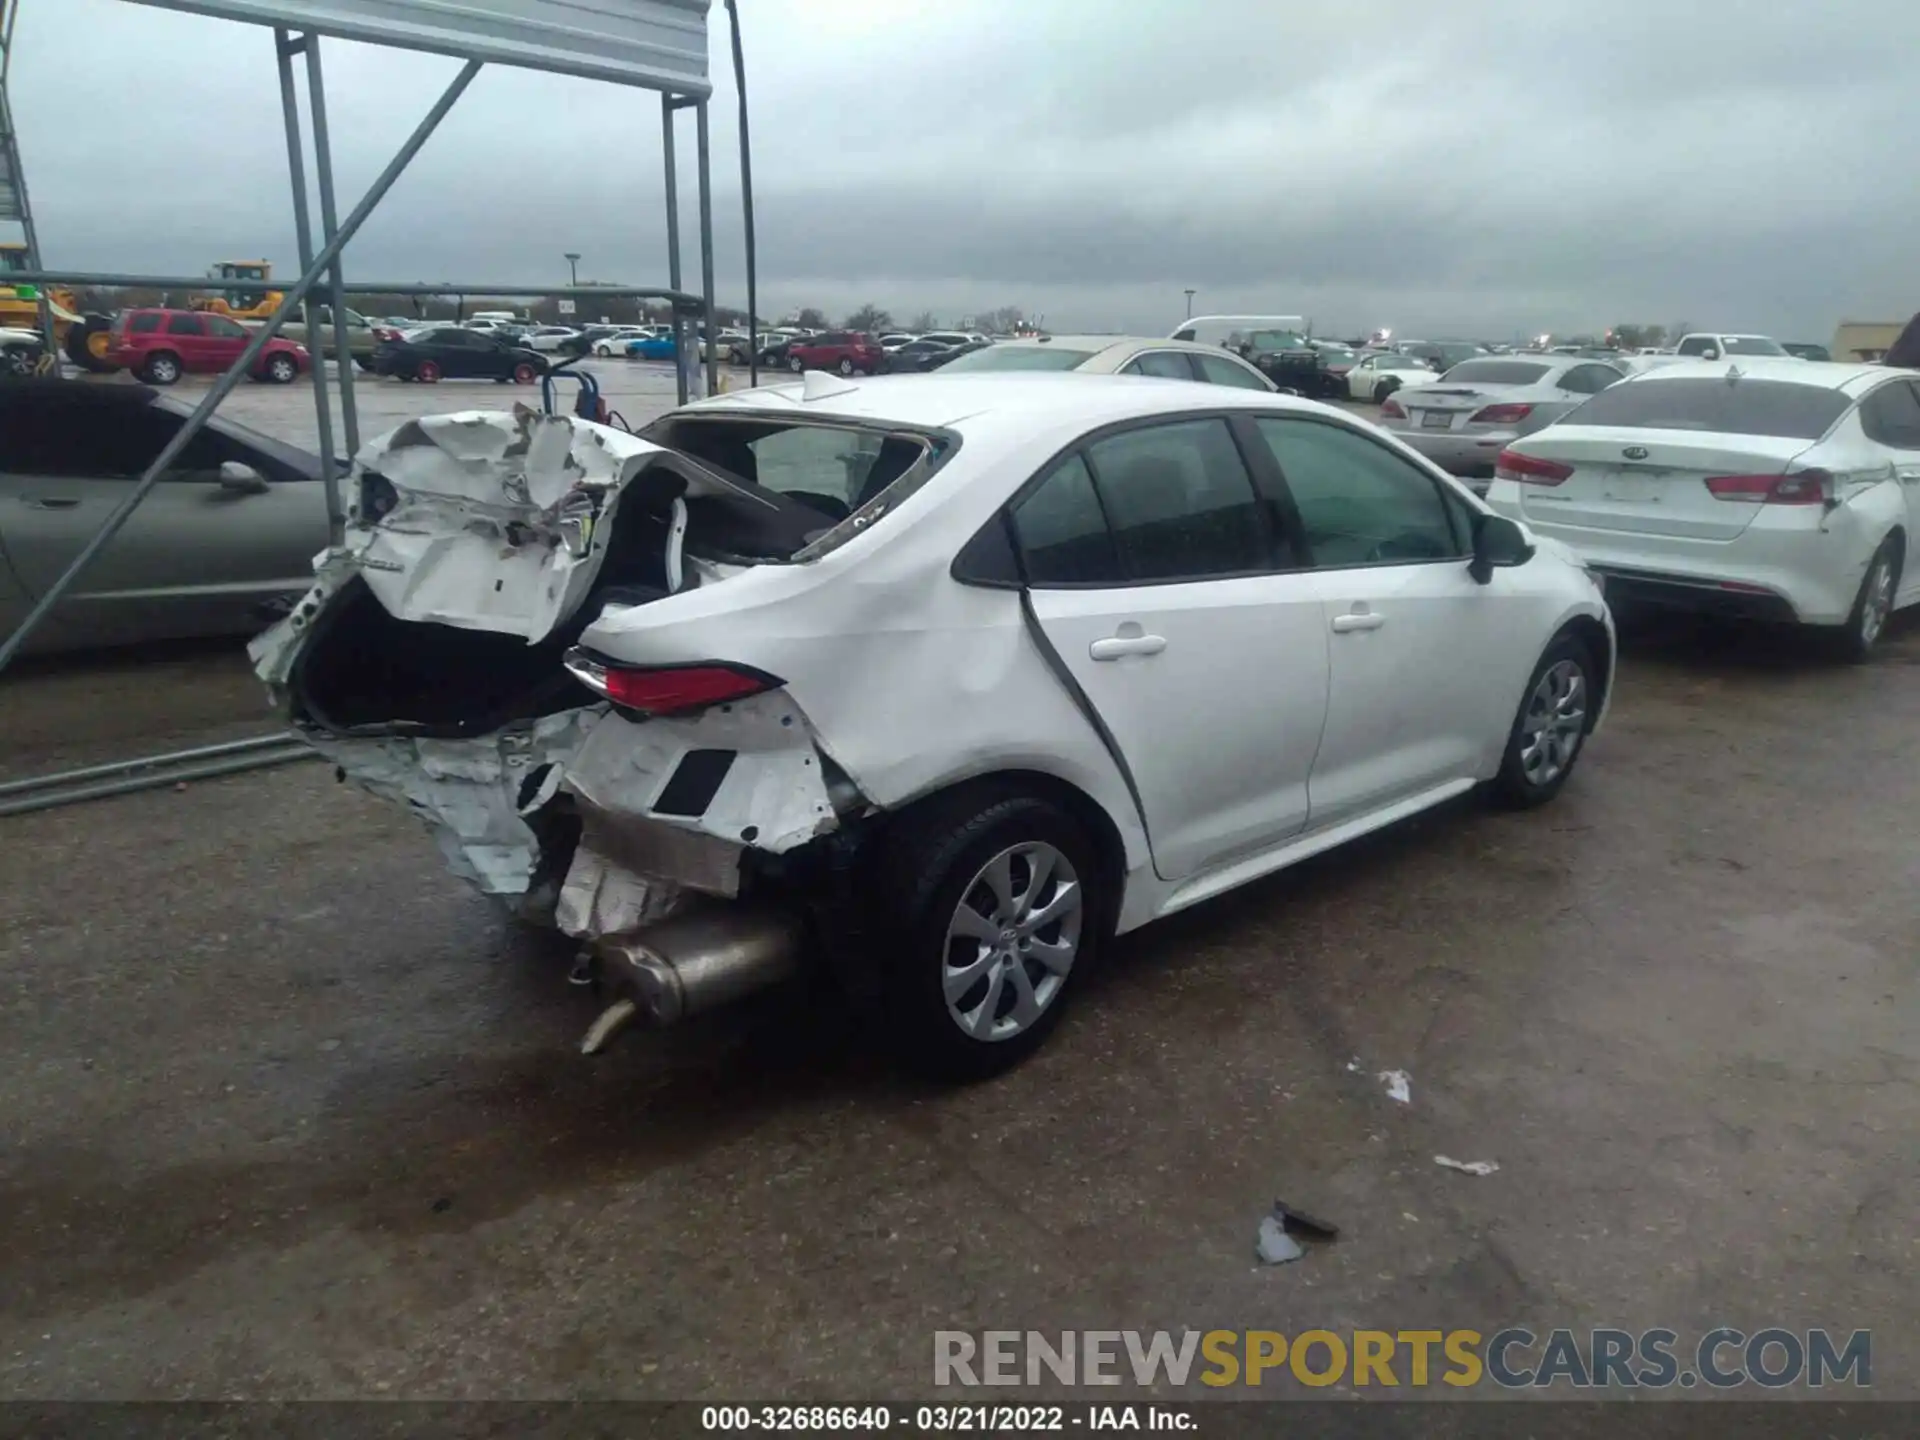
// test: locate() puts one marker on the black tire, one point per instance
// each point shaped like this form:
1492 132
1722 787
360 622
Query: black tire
19 361
162 367
845 366
365 363
1854 641
1514 787
1383 390
795 364
280 369
77 348
927 868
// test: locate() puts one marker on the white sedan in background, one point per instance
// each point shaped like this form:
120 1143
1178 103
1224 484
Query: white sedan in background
1138 644
1374 377
548 339
1769 489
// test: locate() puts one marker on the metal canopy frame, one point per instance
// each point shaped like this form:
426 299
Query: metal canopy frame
480 32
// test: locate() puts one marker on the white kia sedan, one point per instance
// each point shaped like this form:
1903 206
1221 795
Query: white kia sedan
939 681
1766 488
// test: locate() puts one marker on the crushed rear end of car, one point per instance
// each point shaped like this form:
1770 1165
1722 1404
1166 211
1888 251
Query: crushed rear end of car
653 811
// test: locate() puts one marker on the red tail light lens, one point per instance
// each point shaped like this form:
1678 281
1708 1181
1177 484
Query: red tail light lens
1390 409
1529 469
677 689
1501 415
1803 487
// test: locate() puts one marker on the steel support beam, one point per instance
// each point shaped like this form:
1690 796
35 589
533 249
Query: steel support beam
706 244
667 107
337 289
284 51
241 367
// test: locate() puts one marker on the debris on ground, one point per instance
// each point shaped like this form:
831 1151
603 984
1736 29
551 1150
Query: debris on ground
1276 1243
1399 1085
1467 1167
1273 1246
1313 1227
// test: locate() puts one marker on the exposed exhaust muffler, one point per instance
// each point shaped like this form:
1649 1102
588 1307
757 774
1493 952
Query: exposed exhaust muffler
693 963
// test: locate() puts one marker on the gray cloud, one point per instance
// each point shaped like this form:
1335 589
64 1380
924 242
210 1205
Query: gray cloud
1480 167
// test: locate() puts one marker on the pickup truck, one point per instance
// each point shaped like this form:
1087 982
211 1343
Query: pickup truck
361 341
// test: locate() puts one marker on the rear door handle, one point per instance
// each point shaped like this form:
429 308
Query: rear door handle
1343 624
1116 646
51 502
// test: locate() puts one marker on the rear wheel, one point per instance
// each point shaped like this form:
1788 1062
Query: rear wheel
281 369
88 342
795 364
1872 607
845 367
524 373
427 372
162 368
997 903
20 361
1383 390
1555 715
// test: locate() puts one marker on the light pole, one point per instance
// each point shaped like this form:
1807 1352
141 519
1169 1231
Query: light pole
1190 295
573 267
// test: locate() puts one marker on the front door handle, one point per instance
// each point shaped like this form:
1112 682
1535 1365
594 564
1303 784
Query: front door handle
1361 620
1116 646
51 502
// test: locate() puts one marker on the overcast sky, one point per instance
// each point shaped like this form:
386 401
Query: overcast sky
1480 167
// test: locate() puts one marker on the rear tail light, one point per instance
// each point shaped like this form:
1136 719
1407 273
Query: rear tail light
1390 409
1501 415
1529 469
670 689
1803 487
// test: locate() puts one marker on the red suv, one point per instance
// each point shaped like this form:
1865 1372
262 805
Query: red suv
162 345
842 350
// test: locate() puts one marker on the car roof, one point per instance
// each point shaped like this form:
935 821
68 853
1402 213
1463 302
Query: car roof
940 400
1825 374
1099 344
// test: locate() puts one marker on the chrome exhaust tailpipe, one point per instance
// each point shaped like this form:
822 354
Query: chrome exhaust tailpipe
693 963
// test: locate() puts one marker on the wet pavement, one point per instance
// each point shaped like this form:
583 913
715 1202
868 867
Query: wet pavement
288 1112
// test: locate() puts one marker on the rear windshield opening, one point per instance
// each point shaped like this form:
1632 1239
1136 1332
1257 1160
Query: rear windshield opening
817 475
1717 406
1497 372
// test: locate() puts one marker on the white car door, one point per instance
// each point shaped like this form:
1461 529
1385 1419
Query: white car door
1425 662
1891 417
1158 580
1360 379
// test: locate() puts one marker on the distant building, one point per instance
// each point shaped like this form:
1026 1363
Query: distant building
1865 339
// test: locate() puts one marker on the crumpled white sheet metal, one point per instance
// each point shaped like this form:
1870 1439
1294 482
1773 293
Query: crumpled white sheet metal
468 790
475 540
773 797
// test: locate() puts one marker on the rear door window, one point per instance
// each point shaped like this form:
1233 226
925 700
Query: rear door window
147 324
1062 531
1891 415
1782 409
1160 365
1180 502
88 433
185 325
222 328
1218 370
1359 503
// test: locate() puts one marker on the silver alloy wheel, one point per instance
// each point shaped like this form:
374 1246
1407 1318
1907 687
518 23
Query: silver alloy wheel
1554 724
165 369
1877 604
1012 940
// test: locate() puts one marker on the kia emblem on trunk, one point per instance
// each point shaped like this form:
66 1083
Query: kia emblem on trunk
1635 452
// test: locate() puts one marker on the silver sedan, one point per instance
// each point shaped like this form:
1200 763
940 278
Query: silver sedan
1464 419
1115 355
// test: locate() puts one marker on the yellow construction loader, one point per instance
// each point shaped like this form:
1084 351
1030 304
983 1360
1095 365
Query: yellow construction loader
83 338
240 304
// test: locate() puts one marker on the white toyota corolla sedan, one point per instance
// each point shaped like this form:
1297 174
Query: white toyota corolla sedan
939 681
1770 489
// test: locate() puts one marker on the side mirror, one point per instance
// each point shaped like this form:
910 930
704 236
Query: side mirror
241 479
1498 543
